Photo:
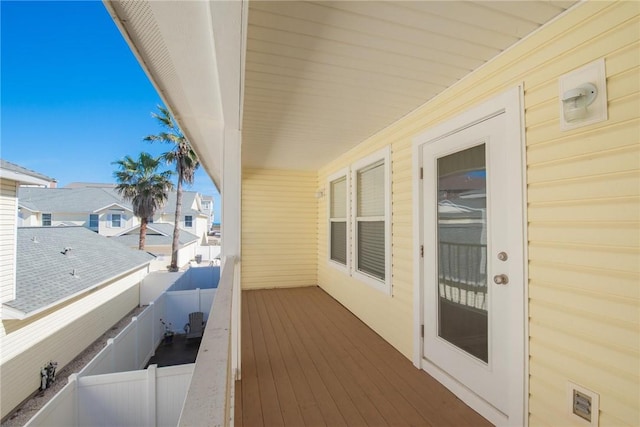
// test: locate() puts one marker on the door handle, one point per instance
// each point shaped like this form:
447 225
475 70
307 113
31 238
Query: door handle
501 279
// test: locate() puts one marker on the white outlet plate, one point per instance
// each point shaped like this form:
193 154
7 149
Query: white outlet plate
595 405
591 73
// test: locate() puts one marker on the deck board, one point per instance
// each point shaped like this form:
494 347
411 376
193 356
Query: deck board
307 361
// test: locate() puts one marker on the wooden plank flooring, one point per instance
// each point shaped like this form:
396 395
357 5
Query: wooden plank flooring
307 361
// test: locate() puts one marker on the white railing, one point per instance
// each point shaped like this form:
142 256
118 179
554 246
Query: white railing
210 397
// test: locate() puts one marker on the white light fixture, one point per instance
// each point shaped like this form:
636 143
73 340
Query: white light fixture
575 101
582 95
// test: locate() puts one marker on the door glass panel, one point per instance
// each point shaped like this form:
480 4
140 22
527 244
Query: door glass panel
462 251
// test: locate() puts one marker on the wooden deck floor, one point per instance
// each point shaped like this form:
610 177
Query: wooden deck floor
307 361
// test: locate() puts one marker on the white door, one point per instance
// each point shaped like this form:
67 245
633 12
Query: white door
472 277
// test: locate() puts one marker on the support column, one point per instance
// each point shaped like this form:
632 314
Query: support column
231 230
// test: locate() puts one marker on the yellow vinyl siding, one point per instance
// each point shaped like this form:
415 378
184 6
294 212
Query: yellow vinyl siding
8 220
279 217
59 335
583 214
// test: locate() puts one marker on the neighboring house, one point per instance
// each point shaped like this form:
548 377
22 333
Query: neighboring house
71 286
158 242
12 177
195 219
331 130
207 209
100 208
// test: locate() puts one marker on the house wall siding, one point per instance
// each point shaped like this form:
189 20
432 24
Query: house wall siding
8 218
279 223
59 335
583 209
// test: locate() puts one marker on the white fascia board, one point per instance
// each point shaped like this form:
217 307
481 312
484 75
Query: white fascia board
21 206
111 206
13 313
22 178
203 42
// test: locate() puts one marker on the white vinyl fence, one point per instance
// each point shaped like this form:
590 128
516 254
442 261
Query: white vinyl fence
112 390
132 348
153 397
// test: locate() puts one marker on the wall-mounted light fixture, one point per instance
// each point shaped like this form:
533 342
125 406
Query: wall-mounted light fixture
320 193
583 96
575 101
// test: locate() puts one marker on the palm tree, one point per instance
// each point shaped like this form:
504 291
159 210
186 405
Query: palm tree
146 189
186 162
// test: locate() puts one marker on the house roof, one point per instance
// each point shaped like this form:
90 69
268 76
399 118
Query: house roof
68 199
44 274
308 81
158 234
188 204
91 200
21 174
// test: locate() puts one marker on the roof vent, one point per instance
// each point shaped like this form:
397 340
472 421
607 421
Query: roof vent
73 273
34 239
66 250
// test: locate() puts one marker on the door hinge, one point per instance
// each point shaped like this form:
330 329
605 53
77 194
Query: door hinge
421 251
421 173
422 331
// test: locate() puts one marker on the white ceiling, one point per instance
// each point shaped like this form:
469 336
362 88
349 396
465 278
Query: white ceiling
323 76
319 77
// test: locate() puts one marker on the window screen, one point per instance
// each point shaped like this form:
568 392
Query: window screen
338 220
370 220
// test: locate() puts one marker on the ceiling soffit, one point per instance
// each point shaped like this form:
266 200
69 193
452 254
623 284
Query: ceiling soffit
320 77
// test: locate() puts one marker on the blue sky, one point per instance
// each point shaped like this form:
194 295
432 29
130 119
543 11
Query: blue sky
73 97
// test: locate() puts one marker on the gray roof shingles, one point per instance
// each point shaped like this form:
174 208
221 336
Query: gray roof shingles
90 199
44 275
158 234
79 200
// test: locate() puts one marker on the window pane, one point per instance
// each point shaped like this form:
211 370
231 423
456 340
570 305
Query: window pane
371 248
46 219
339 198
339 242
370 182
115 220
462 251
93 221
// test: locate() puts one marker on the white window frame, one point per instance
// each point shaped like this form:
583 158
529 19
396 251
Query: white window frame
119 221
191 221
383 155
342 173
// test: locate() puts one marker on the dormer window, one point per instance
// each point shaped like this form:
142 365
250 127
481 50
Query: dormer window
188 221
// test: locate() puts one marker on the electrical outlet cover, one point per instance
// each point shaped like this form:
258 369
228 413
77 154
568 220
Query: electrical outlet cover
584 394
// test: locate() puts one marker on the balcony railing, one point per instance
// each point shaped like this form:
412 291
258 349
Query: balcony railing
210 397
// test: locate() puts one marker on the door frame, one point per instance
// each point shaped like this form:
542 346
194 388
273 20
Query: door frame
511 103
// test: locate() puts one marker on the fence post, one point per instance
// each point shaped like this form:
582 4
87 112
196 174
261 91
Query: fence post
136 344
151 395
112 343
73 380
152 307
